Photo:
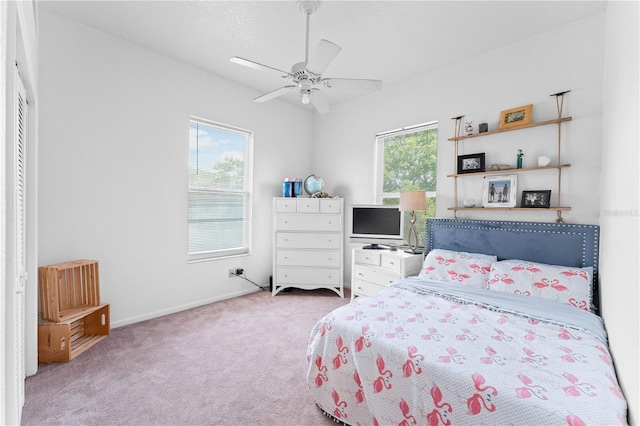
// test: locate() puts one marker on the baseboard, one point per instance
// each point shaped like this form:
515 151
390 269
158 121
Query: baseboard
173 310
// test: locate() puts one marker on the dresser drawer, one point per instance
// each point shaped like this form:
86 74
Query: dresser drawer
285 205
367 257
365 288
374 276
308 222
328 205
308 240
319 276
308 205
322 258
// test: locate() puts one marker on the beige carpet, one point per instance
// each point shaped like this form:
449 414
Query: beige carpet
237 362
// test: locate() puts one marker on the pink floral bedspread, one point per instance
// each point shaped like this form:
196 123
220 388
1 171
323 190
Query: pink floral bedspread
407 357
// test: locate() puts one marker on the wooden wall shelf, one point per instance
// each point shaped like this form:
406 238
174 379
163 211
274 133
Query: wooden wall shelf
524 126
558 166
500 172
558 209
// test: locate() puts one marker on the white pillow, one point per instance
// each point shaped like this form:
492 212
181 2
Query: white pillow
471 269
561 283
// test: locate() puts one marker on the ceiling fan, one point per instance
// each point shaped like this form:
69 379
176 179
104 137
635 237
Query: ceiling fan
307 76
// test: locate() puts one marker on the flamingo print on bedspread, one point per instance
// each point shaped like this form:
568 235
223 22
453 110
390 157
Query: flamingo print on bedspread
372 363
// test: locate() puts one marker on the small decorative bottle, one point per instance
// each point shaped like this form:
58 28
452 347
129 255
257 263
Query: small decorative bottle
519 161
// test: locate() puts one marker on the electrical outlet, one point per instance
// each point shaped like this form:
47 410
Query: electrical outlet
236 272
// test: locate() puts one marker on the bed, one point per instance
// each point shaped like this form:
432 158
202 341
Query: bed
500 327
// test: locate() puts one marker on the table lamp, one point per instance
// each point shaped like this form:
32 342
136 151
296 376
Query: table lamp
411 201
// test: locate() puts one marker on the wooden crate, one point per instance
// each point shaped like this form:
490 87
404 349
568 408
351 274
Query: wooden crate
68 289
63 341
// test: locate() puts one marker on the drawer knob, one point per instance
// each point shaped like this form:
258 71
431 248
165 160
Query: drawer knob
391 263
360 274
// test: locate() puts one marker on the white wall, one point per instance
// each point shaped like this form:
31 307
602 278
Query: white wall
113 168
620 189
480 87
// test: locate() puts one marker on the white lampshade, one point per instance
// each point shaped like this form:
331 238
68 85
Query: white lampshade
413 200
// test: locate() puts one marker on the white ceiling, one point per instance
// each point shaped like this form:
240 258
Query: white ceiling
388 40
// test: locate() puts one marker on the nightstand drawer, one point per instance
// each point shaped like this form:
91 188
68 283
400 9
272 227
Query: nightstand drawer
364 288
374 276
308 258
392 263
367 257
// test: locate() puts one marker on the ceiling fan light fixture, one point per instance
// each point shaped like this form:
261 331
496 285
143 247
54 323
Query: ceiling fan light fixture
305 90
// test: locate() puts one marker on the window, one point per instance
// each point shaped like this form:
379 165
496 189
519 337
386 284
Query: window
406 160
219 209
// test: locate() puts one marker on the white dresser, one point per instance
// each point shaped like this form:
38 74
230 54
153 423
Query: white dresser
308 244
373 270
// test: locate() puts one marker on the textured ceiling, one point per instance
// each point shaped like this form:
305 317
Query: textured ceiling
388 40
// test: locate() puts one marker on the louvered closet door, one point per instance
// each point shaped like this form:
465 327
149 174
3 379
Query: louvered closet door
20 237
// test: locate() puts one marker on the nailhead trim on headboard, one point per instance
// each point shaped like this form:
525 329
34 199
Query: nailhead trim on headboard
505 239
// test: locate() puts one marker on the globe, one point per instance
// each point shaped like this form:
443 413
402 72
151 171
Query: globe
313 184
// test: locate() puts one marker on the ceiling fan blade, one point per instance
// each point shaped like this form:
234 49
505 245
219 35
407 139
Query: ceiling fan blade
319 101
352 83
324 54
256 65
274 94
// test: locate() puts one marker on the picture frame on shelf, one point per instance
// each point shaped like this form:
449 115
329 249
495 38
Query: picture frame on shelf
471 163
499 191
536 199
515 117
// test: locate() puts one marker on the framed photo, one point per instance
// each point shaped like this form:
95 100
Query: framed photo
515 117
499 191
471 163
541 199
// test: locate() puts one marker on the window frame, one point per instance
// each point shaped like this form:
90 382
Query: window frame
380 196
246 192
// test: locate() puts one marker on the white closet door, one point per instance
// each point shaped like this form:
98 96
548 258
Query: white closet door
19 214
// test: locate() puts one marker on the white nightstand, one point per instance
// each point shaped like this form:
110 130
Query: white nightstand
373 270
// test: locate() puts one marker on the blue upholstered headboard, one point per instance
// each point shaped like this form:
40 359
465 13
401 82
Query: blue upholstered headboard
551 243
